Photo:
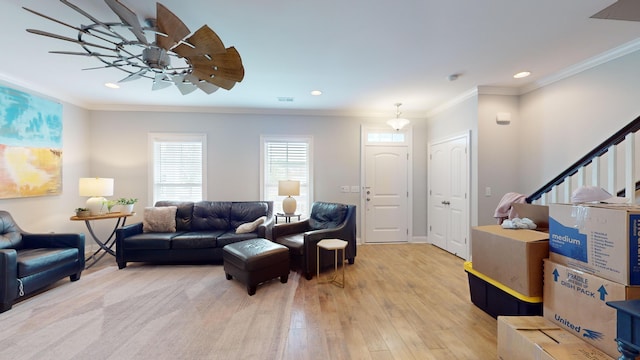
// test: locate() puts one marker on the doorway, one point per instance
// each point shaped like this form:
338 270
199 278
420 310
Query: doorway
449 195
386 196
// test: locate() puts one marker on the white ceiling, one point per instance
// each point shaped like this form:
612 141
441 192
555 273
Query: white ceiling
364 55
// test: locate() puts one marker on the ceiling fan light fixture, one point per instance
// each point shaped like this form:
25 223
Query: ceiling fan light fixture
124 45
111 85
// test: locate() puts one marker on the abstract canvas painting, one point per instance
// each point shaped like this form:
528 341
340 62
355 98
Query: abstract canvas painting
30 145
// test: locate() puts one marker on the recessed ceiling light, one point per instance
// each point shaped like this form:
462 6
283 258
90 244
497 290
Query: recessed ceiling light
522 74
316 92
112 86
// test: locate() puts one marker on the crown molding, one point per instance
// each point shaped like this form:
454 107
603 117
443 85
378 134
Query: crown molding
453 102
40 91
590 63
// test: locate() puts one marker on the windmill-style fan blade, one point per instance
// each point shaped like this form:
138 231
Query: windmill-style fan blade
218 81
128 17
184 87
84 31
621 10
60 37
207 87
204 42
134 76
88 16
83 54
202 85
161 81
227 65
168 23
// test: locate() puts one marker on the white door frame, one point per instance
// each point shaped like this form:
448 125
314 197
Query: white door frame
467 136
408 133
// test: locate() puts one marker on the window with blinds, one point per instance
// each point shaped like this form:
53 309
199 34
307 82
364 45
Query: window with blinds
178 167
286 158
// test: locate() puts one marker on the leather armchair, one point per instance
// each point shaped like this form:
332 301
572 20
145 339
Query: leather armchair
29 262
326 221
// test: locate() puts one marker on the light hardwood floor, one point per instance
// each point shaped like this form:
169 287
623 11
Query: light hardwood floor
405 301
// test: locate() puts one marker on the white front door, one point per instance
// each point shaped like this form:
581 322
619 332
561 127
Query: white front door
386 194
449 195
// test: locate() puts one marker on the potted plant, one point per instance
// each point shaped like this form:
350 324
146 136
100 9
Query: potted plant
126 205
82 212
110 204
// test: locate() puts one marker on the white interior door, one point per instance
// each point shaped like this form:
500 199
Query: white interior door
449 195
386 194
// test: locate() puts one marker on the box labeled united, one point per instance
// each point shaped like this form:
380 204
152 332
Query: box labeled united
576 301
535 338
600 239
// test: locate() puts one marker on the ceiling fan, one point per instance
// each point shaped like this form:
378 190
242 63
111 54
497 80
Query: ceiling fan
620 10
199 61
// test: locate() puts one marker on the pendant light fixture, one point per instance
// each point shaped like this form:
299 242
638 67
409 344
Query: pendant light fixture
398 123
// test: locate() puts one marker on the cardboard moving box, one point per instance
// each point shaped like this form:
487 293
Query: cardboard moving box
602 239
534 338
576 301
511 257
539 214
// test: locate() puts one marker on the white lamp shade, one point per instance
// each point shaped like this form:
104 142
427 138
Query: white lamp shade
288 188
397 123
95 187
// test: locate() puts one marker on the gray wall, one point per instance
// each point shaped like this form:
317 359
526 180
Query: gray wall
119 149
563 121
551 128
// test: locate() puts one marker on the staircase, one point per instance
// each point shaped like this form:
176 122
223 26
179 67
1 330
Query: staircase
611 165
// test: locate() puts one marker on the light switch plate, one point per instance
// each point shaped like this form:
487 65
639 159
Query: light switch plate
355 188
344 188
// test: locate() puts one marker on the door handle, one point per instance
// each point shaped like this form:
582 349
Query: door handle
368 199
446 203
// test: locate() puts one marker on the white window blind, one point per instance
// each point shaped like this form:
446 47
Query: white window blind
178 172
287 159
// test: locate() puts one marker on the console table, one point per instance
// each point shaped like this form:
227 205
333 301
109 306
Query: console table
105 245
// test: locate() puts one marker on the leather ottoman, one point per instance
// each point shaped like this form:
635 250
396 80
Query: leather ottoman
255 261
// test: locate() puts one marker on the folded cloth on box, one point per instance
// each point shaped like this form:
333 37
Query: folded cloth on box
517 223
505 210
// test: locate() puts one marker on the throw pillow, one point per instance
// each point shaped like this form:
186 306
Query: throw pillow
159 219
250 226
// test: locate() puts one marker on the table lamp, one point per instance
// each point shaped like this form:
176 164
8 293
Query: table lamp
96 188
289 188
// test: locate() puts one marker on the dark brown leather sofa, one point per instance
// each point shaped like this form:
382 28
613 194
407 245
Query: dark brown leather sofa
326 221
202 229
29 262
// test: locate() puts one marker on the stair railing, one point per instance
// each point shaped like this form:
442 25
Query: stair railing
623 141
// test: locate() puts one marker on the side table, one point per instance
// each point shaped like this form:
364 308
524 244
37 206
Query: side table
106 246
335 245
287 217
